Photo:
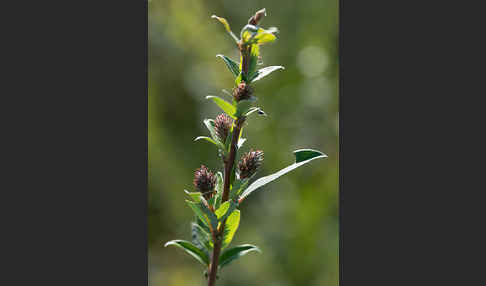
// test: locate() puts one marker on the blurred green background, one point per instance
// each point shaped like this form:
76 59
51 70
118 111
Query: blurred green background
293 220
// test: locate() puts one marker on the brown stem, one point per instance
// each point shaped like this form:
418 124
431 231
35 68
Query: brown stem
217 234
214 262
229 162
245 58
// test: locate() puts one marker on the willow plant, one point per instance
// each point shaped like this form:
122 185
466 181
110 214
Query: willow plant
217 196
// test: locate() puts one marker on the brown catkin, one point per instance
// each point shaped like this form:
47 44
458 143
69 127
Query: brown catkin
204 181
250 162
223 126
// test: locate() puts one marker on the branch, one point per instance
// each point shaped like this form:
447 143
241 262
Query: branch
228 167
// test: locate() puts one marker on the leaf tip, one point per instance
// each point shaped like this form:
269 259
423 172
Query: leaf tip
169 243
307 154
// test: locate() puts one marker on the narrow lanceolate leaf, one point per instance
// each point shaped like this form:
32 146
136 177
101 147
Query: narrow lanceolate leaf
201 238
302 157
191 249
212 129
204 214
202 225
222 209
217 143
244 106
226 26
195 196
227 107
219 190
231 226
210 140
261 73
229 211
232 65
238 187
236 252
265 36
255 109
254 54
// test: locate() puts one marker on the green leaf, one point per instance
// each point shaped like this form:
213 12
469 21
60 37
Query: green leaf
204 214
265 36
307 154
222 209
228 139
231 226
191 249
238 187
236 252
202 225
224 105
243 107
196 196
253 109
248 33
210 140
261 73
254 53
201 238
302 157
212 129
225 210
232 65
207 139
219 190
229 211
226 26
239 78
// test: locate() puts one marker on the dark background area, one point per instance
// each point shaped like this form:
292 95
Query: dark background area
293 220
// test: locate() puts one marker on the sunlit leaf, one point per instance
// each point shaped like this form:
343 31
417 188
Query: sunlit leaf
234 253
265 36
261 73
227 107
232 65
226 26
231 226
248 33
191 249
222 209
302 157
229 211
239 79
254 54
